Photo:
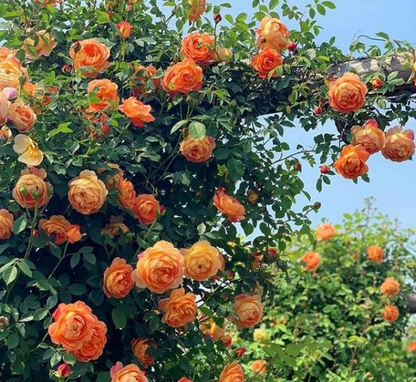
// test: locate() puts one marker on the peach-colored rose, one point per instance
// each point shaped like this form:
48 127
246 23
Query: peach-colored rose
197 9
31 190
140 347
137 111
202 261
74 233
6 224
10 71
312 260
4 106
93 348
272 33
198 47
411 347
351 164
73 326
5 52
140 78
5 134
249 310
87 193
146 208
117 279
267 61
28 150
91 58
180 308
325 232
259 366
390 287
125 29
183 77
22 116
400 145
232 373
106 91
56 226
41 45
126 194
221 54
375 253
370 137
197 150
229 206
159 268
347 93
129 373
390 313
115 228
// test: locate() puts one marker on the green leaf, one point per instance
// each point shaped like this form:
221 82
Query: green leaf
75 260
61 129
235 168
119 318
178 125
12 341
197 130
20 224
383 35
77 289
328 4
10 275
103 377
273 4
24 267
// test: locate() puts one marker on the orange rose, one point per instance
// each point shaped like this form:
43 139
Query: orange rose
259 366
93 348
411 347
74 233
197 9
57 226
87 193
126 194
146 208
198 47
390 287
390 313
116 176
117 279
91 58
22 116
125 29
100 127
106 91
324 232
351 163
137 111
6 224
115 227
347 93
159 268
232 373
183 379
140 78
130 373
74 325
375 253
272 33
267 61
10 71
183 77
202 261
48 2
44 45
197 150
229 206
31 190
370 137
312 260
249 310
5 52
180 308
400 145
140 348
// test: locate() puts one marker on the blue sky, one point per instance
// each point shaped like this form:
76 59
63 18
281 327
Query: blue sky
392 184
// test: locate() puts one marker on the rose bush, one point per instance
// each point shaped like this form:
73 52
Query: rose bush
138 140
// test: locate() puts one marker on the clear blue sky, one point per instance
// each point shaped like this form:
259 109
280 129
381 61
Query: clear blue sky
392 184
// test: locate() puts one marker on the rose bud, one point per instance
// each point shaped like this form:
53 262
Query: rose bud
230 275
253 197
271 253
76 47
217 18
317 205
63 371
297 166
324 169
318 110
377 83
292 46
240 352
66 68
4 323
